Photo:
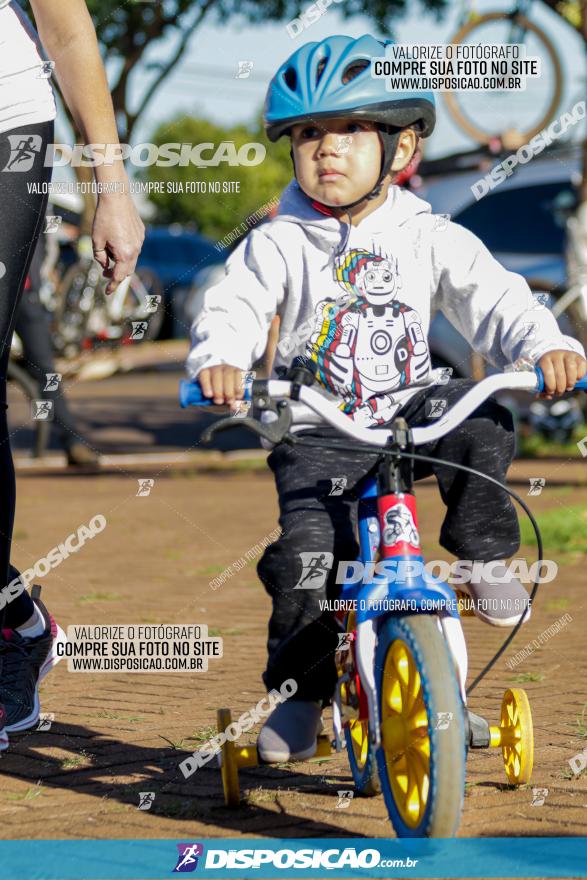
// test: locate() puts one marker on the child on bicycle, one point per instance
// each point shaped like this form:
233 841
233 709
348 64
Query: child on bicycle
354 266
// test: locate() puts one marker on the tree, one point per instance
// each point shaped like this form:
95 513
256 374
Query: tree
217 214
128 31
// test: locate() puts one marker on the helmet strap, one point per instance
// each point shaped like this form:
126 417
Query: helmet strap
389 139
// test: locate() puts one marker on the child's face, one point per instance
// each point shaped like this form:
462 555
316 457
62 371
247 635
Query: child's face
352 150
337 160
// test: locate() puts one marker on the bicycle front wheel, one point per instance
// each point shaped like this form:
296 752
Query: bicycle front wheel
423 754
522 114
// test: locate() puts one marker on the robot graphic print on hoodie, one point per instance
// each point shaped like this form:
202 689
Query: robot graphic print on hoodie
368 343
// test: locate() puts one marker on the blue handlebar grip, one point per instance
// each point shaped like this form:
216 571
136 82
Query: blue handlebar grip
540 378
581 385
190 394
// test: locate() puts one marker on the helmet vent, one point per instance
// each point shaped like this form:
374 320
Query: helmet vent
355 69
320 69
291 79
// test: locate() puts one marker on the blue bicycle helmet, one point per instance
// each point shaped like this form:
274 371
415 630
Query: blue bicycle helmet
333 79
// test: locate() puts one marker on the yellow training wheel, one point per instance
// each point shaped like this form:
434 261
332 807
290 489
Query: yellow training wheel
323 747
404 729
233 758
515 735
464 604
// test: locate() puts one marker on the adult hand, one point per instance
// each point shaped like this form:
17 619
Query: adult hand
561 369
117 234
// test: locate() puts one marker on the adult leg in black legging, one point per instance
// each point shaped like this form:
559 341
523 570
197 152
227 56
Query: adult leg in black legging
22 213
33 328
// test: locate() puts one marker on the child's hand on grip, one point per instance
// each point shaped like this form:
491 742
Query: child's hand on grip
225 384
561 370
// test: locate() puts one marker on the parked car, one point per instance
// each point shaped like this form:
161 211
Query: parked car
207 276
522 222
176 255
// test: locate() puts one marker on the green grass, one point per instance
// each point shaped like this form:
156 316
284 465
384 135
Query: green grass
260 795
229 467
582 723
100 597
203 735
557 604
175 809
187 742
72 763
181 745
525 677
564 530
214 631
535 446
568 774
207 570
117 717
29 795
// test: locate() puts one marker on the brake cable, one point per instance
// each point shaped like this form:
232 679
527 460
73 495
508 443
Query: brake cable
306 441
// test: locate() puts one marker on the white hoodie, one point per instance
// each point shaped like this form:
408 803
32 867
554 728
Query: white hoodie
359 302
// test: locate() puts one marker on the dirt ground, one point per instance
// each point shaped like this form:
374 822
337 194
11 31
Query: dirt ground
117 735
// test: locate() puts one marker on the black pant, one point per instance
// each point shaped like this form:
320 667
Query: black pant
22 215
480 523
33 327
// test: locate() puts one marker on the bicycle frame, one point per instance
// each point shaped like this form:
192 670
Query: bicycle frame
388 529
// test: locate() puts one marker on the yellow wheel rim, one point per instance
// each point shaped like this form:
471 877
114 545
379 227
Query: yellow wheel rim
358 729
517 736
405 736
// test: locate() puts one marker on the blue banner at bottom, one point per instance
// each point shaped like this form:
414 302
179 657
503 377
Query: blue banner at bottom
506 857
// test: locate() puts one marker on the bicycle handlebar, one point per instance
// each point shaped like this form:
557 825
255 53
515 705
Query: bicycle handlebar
279 389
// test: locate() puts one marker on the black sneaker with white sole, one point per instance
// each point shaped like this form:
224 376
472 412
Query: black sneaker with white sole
25 663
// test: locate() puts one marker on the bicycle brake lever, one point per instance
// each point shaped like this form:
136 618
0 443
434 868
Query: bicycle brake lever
274 431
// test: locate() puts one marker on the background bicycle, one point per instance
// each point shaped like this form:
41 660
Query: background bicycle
514 116
84 316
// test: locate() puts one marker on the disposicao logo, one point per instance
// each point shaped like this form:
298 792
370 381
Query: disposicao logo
187 859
